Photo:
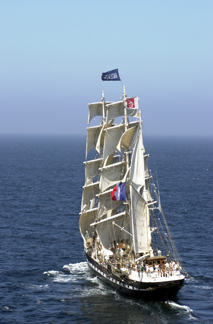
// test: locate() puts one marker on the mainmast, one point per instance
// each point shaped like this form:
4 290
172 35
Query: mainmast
125 126
126 159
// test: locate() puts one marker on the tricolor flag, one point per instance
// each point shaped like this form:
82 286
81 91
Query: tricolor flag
112 75
119 192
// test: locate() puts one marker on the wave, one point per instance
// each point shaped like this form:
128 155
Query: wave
60 277
63 278
78 273
183 307
6 308
38 286
76 267
51 273
73 272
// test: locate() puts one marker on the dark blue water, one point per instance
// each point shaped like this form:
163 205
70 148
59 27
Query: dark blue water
43 274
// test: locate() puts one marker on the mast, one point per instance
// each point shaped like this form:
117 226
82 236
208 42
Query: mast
126 157
125 126
125 112
103 105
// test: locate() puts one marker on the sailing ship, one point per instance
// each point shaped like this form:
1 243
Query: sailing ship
126 238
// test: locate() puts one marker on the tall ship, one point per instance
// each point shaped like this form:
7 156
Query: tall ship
126 238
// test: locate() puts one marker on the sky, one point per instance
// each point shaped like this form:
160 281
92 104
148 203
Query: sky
52 55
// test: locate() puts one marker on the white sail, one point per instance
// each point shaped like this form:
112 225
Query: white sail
147 177
111 175
100 140
91 170
88 198
95 109
148 196
92 137
112 137
85 220
108 232
140 222
126 138
137 174
101 137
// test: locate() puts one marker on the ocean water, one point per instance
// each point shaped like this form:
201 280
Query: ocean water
43 274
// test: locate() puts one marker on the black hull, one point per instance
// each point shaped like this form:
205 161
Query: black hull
147 291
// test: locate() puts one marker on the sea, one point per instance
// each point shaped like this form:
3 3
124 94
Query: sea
44 276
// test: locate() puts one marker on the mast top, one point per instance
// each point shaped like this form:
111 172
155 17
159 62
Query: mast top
124 92
102 97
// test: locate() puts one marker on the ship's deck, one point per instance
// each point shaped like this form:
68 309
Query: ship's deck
155 276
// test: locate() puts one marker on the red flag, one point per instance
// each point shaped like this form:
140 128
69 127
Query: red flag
130 103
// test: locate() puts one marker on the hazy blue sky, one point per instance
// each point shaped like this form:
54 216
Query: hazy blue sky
52 54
